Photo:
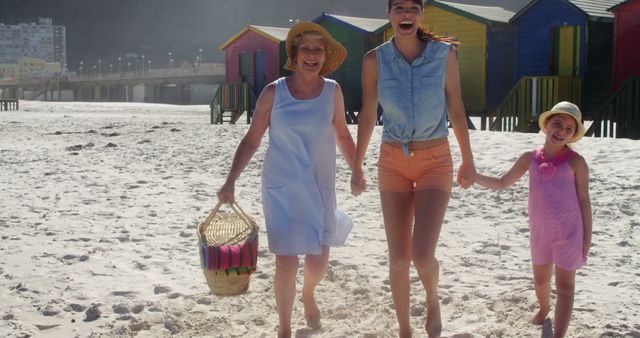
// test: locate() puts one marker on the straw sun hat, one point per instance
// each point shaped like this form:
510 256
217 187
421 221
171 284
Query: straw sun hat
566 108
335 52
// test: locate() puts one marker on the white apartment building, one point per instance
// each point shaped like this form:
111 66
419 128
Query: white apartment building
42 40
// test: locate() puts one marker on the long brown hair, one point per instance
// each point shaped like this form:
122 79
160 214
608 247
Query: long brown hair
428 34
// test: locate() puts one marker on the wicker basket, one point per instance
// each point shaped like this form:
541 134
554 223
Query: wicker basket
228 250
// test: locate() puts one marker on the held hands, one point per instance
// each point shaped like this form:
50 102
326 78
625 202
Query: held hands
358 183
227 192
466 175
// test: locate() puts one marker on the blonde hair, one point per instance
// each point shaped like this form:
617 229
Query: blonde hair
295 43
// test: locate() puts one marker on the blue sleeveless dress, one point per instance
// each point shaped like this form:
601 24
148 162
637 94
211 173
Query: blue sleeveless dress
299 171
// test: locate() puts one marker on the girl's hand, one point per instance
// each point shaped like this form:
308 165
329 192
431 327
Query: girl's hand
586 245
226 193
358 183
466 175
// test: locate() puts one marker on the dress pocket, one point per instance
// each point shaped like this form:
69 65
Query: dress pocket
276 205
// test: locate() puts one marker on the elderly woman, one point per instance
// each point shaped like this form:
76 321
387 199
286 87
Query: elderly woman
305 115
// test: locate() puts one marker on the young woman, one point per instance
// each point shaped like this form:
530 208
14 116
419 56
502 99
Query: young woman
414 77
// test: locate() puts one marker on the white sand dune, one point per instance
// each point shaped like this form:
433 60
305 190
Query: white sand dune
99 204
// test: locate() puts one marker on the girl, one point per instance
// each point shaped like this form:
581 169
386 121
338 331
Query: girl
559 209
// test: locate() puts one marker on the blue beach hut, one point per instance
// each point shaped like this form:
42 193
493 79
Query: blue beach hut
568 38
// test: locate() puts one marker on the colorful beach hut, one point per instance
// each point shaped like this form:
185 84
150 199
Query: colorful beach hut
487 52
358 35
253 58
626 49
255 55
568 38
619 116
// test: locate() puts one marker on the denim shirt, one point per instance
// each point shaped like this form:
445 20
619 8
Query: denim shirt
412 95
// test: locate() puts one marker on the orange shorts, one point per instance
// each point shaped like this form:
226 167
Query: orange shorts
429 168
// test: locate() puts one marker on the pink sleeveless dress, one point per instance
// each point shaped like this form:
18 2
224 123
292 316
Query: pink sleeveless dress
555 219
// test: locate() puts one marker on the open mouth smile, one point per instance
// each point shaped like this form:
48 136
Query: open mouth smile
311 64
405 25
557 138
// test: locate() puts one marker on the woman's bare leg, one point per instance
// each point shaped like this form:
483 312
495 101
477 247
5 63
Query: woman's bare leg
430 207
315 267
397 209
285 289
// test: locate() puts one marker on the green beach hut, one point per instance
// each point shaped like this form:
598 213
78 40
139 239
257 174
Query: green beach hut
358 35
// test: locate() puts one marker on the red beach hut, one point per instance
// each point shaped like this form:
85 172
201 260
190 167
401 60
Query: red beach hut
626 49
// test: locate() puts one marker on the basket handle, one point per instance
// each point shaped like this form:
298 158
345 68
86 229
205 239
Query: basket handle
236 208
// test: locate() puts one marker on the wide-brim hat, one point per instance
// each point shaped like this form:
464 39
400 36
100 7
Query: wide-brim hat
335 52
566 108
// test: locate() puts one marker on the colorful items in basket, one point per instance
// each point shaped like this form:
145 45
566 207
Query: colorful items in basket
239 259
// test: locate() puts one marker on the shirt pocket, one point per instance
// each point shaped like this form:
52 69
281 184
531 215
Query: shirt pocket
389 94
431 90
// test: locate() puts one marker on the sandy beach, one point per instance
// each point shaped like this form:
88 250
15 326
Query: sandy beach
99 204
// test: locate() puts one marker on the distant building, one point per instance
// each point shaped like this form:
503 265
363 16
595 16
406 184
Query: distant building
9 71
29 68
43 40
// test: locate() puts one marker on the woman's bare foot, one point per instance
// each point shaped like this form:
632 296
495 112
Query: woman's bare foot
284 333
539 318
311 312
434 322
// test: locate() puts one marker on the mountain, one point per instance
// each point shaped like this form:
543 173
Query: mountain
107 29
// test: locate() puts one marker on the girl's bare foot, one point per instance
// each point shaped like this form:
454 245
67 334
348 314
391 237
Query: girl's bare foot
311 312
539 318
434 322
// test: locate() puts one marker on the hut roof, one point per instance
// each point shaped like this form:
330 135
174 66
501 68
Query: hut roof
485 11
597 8
616 7
278 33
368 25
591 8
275 34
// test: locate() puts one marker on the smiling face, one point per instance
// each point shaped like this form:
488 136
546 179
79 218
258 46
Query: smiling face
560 129
310 52
405 16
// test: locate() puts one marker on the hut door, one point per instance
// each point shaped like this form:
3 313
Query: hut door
566 51
244 67
260 72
